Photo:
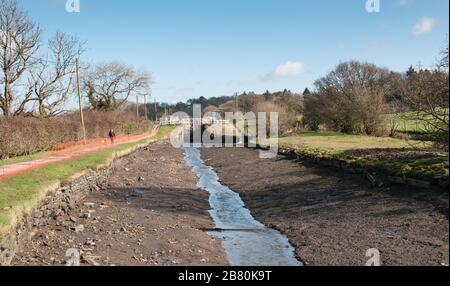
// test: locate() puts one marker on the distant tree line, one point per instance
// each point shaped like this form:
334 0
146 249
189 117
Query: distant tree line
360 98
245 101
288 104
354 98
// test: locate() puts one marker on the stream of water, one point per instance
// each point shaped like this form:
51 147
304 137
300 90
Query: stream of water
246 241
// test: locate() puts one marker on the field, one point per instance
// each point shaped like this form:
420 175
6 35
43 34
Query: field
406 124
411 126
337 142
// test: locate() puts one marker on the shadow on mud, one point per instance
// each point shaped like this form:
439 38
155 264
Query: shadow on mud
169 200
437 197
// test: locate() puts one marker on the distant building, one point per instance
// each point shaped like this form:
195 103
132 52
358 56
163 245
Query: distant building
211 119
174 120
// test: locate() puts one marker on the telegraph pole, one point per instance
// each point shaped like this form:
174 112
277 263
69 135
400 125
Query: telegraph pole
145 106
156 111
83 128
137 107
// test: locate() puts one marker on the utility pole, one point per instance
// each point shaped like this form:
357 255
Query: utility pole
83 128
145 106
156 111
237 101
137 107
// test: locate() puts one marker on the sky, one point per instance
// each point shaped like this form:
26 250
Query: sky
208 48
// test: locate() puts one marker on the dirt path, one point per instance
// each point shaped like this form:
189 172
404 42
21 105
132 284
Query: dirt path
150 214
332 218
70 153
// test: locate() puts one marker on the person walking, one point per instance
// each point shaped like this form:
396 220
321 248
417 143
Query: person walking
112 135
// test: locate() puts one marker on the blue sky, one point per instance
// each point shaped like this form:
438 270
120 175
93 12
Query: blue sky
217 47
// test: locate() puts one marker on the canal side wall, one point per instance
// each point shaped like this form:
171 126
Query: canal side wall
376 178
59 202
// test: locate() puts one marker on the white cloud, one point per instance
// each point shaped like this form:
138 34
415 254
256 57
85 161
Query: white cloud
289 69
286 70
424 25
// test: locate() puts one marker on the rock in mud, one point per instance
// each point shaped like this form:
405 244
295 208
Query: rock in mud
89 205
78 228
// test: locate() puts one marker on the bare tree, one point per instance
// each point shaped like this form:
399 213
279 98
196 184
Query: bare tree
444 61
108 86
291 101
427 94
19 41
248 101
229 106
395 116
286 119
313 111
52 80
351 98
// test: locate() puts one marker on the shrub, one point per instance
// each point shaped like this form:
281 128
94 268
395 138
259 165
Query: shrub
287 120
350 99
27 135
427 95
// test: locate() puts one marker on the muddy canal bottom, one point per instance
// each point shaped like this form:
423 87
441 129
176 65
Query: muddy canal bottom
246 241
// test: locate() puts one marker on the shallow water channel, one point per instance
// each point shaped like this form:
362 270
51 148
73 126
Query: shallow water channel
246 241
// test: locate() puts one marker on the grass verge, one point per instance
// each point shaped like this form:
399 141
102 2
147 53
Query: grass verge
22 159
393 157
22 193
164 132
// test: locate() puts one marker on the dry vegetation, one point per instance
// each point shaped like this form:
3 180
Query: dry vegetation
27 135
37 80
361 98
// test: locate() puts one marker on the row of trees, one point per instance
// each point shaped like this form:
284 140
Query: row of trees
360 98
287 104
354 98
38 79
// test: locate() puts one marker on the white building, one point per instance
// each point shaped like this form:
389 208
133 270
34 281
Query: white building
174 120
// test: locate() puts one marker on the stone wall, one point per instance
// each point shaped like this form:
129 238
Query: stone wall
377 179
57 203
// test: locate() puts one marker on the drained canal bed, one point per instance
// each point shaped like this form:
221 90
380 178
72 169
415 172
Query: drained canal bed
246 241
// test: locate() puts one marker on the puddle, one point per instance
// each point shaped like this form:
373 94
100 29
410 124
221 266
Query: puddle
246 241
